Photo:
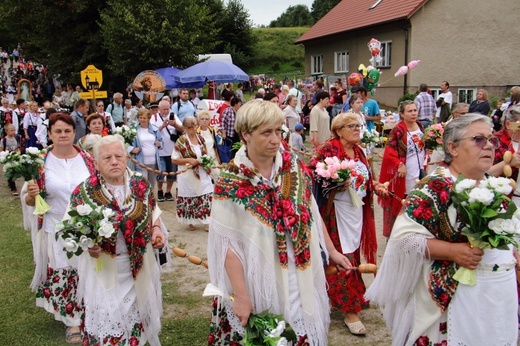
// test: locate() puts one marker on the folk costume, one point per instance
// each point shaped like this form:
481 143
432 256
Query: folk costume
123 300
194 187
55 278
395 153
351 228
422 303
273 226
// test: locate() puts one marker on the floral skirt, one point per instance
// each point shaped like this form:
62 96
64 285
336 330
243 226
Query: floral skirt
91 340
222 333
58 295
194 210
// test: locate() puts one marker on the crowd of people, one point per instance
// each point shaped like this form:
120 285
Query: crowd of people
281 237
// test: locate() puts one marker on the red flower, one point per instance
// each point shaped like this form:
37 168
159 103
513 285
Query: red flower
211 338
304 216
130 224
283 257
423 341
234 343
443 327
287 207
134 341
69 308
218 190
49 271
46 292
56 279
437 185
444 298
93 180
442 343
422 213
444 196
140 189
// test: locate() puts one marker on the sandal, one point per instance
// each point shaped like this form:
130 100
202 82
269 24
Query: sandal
191 228
73 337
356 328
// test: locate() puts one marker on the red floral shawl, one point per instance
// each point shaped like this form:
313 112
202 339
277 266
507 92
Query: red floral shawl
368 246
183 146
395 153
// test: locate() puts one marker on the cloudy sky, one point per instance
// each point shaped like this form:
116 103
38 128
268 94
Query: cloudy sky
264 11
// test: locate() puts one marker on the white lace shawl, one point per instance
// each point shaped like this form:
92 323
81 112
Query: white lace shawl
233 228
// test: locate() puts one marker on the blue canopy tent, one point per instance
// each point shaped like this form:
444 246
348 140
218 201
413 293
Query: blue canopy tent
219 71
168 73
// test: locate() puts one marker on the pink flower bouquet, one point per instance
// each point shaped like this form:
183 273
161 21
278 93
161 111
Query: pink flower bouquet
433 136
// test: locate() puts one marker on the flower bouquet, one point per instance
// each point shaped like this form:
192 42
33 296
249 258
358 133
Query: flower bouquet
26 165
207 162
84 227
490 217
267 329
371 137
127 132
334 171
432 136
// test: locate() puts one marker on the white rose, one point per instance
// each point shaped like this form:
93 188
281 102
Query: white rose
508 226
496 225
501 185
84 209
278 330
482 195
282 342
3 156
105 229
70 245
32 150
86 230
464 185
59 226
85 242
107 213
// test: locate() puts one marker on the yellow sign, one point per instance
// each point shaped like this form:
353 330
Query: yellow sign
94 94
91 78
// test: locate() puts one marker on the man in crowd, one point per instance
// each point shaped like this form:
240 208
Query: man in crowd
370 109
127 110
116 109
319 119
444 102
318 86
81 108
228 122
297 93
193 98
426 107
170 128
184 107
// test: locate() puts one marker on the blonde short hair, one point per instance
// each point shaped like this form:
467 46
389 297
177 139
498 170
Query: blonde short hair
145 112
340 121
484 93
203 112
254 114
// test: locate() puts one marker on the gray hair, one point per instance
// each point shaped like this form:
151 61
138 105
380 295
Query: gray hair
107 140
189 121
512 113
456 129
458 106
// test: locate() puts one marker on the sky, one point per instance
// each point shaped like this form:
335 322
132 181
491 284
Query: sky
265 11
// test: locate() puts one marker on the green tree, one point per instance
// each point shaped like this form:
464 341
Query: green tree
155 33
294 16
322 7
236 33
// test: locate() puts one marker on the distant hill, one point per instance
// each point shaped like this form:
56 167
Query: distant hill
276 54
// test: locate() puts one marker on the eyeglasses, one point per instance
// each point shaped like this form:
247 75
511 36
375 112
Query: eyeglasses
353 127
481 141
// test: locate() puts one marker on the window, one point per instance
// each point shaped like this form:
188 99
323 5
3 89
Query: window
435 93
386 54
467 95
316 64
341 62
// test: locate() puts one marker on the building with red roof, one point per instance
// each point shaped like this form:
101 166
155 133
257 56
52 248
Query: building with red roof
464 42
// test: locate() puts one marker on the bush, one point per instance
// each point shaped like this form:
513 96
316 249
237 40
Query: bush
408 96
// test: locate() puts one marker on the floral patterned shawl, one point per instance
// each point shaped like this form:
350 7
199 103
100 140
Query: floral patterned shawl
133 218
183 146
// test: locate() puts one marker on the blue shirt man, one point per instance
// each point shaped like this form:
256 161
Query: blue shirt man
370 109
184 107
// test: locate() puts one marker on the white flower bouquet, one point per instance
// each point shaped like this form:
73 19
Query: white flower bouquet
371 137
127 132
491 219
84 227
207 162
267 329
17 165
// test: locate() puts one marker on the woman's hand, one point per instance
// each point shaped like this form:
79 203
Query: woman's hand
380 189
136 150
401 170
242 308
466 256
158 144
342 263
344 185
95 251
158 238
33 190
194 162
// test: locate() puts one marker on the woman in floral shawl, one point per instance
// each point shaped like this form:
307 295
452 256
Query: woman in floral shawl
402 161
55 279
351 227
266 239
422 302
123 300
194 186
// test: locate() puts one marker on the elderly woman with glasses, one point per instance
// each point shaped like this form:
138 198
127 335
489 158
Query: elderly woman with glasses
422 302
350 225
403 162
194 186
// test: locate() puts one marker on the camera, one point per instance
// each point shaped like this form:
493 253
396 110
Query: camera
172 115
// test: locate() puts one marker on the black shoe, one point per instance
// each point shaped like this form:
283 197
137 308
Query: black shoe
168 196
160 196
